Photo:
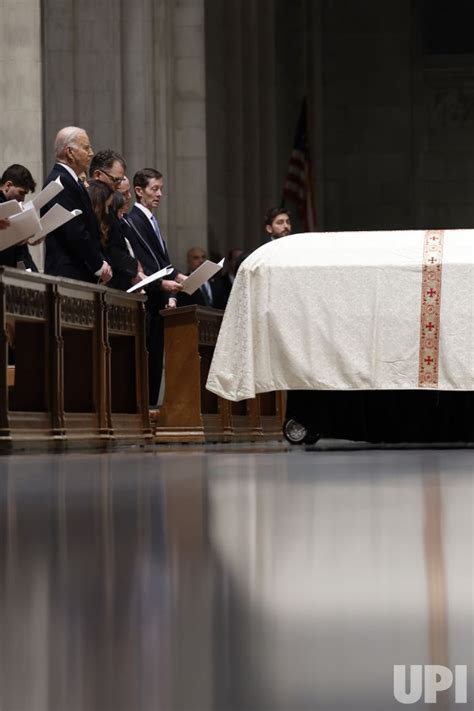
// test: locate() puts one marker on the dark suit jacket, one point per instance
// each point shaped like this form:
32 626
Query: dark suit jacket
142 237
190 299
222 287
73 250
150 262
124 266
145 228
198 298
16 253
142 250
147 250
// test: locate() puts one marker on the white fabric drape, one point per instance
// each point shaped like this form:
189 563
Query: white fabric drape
341 311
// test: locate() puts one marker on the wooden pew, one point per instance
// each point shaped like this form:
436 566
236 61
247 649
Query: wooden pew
127 366
190 413
69 354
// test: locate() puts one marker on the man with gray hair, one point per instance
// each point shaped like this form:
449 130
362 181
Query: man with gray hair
74 250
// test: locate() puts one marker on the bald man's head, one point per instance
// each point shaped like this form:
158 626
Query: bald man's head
195 257
124 188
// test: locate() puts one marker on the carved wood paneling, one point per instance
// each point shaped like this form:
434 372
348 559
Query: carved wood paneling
121 318
77 312
25 302
208 332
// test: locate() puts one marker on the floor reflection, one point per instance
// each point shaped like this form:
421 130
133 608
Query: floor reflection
238 580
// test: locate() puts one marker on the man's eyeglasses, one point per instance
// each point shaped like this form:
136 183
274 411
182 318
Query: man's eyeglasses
116 181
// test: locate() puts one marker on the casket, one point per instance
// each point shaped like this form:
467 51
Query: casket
386 310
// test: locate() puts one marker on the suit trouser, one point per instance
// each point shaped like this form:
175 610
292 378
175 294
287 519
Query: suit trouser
155 345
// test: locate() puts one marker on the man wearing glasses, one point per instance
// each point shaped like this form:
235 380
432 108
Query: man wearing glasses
109 167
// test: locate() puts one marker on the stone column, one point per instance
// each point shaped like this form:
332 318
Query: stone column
20 72
164 118
82 71
180 123
242 119
139 119
133 75
20 86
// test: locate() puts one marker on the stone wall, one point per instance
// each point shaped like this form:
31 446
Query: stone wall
132 74
209 93
241 119
368 114
20 85
398 136
444 135
20 89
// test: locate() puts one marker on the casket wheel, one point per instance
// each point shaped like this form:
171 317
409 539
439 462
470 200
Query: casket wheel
294 431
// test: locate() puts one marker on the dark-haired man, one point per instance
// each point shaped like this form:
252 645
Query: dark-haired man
277 224
148 186
151 250
108 166
15 184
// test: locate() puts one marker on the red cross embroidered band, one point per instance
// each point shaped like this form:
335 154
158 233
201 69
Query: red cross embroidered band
350 311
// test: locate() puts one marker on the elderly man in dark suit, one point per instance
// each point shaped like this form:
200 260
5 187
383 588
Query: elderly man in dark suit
150 249
209 294
73 250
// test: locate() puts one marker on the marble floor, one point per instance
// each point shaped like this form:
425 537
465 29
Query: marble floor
233 578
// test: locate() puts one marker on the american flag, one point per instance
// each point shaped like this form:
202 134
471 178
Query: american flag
298 187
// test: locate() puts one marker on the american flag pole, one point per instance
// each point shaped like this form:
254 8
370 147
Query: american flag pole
299 183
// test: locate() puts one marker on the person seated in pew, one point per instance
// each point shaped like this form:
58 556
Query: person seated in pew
15 184
223 282
207 293
277 224
124 190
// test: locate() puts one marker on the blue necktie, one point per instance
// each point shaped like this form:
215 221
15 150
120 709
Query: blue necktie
154 222
206 293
